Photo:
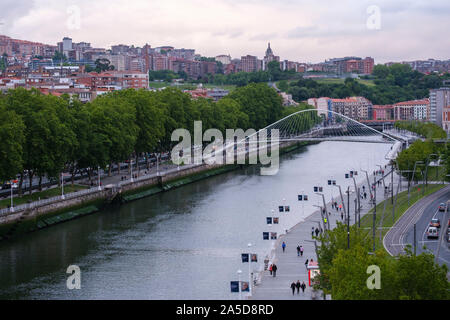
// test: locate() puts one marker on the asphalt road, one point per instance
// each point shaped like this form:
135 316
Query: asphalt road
421 214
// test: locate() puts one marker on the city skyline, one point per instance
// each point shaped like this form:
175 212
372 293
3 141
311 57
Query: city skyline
297 30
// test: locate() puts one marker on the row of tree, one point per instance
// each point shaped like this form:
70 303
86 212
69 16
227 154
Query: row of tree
390 85
427 130
344 273
422 150
44 135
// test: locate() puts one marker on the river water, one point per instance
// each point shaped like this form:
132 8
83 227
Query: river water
182 244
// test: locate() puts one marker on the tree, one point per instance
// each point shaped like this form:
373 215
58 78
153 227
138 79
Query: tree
103 64
11 140
114 121
261 103
59 57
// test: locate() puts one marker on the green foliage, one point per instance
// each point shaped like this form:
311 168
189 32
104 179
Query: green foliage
46 134
102 65
11 139
262 104
391 85
426 129
344 271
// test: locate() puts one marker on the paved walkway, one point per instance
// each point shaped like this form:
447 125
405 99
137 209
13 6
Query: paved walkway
291 267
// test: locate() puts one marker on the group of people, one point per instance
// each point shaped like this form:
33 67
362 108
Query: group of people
273 269
297 285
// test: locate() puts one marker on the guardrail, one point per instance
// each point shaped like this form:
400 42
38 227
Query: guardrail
36 204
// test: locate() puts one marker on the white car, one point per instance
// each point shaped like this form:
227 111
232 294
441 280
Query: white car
432 232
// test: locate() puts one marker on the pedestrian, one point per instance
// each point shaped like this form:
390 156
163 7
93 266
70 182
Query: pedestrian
293 286
301 251
283 246
312 231
365 195
342 216
274 270
306 264
298 285
303 287
298 251
270 269
317 232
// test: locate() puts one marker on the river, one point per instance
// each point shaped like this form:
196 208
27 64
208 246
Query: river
181 244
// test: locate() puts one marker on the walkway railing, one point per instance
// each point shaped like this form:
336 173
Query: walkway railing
39 203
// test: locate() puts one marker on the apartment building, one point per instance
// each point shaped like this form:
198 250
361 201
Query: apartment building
439 99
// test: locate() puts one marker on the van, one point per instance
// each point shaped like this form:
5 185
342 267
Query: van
432 232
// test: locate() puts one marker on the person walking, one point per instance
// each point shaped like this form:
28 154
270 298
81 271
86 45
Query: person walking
303 286
293 286
298 251
306 264
301 251
298 285
283 246
274 270
312 231
317 232
342 215
270 269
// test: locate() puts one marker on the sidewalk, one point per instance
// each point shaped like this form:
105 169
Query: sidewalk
291 267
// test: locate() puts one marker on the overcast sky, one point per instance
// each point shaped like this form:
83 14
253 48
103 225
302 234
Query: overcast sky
299 30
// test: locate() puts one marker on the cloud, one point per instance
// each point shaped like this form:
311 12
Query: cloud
298 30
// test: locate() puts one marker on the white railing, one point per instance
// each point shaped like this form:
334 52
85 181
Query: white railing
42 202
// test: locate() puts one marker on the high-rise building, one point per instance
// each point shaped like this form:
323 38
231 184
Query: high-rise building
224 59
249 63
439 99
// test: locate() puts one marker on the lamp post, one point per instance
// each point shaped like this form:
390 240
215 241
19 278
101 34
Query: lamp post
239 272
342 198
98 174
62 186
327 222
250 278
12 195
368 182
374 210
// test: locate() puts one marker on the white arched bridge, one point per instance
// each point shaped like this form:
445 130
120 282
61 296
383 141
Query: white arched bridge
306 125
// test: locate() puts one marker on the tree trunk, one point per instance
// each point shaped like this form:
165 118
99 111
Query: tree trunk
30 178
20 184
109 170
40 183
138 168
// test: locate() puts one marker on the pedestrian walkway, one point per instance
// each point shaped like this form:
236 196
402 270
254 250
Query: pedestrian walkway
291 267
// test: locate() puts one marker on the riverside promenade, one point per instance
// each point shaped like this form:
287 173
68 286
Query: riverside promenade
291 267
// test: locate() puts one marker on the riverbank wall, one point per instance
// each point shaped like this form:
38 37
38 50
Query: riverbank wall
46 215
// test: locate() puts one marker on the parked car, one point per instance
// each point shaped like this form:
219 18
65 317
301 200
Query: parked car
432 233
435 223
442 207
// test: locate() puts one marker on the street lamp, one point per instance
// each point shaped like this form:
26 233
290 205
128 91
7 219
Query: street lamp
62 186
412 180
239 272
342 198
98 174
250 277
131 166
368 182
327 222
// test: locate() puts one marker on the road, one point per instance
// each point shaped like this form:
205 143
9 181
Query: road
421 214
